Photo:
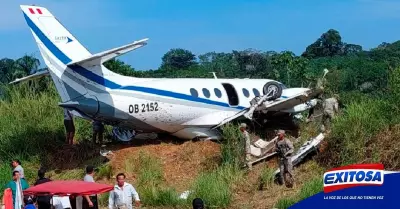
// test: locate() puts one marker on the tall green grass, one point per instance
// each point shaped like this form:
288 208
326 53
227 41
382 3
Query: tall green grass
266 178
32 130
216 187
233 146
150 181
31 123
309 189
354 130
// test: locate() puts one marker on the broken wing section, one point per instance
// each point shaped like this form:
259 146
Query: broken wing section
288 103
262 104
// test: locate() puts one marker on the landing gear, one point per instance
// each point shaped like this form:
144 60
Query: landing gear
123 135
273 90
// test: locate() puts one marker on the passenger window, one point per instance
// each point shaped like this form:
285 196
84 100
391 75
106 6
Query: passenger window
256 92
193 92
245 92
217 93
206 93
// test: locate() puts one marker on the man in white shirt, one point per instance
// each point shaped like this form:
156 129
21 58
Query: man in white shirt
61 202
121 196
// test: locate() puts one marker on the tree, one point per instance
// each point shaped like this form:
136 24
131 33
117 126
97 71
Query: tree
6 70
27 65
283 66
329 44
351 49
120 67
178 59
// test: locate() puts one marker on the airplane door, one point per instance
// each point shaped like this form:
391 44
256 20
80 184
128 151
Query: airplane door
231 93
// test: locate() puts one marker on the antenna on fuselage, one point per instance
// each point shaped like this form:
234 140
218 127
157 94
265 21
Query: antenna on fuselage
215 76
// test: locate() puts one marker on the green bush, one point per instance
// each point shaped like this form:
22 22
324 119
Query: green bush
216 187
367 118
233 146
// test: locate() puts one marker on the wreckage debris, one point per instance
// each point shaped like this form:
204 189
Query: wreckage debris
307 148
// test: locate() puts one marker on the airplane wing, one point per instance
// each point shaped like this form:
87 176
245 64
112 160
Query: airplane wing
100 58
31 77
290 102
275 105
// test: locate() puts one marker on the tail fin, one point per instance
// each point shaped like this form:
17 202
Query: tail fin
48 31
76 73
58 47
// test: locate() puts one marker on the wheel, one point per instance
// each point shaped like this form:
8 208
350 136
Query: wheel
275 87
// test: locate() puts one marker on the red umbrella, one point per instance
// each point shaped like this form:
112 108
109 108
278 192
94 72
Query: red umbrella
68 188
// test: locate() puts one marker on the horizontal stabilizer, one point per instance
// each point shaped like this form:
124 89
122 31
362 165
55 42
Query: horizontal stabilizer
100 58
31 77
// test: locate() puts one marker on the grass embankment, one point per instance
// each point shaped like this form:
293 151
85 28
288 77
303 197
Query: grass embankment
366 131
32 130
214 185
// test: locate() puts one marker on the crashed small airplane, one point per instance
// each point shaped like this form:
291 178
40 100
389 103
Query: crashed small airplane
187 108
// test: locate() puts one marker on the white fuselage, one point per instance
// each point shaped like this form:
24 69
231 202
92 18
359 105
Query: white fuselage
186 108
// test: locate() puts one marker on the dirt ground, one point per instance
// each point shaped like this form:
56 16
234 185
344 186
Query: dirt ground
182 162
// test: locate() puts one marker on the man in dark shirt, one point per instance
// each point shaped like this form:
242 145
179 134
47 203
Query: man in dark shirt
98 130
43 201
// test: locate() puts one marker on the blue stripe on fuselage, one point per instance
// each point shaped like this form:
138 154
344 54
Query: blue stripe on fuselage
109 84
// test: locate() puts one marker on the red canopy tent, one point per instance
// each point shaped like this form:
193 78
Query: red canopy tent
68 188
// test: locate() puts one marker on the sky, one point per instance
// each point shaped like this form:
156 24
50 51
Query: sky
203 26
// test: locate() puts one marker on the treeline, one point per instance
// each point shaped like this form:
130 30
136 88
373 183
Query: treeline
351 68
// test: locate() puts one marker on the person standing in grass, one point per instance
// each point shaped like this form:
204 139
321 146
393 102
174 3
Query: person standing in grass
330 109
16 164
43 201
89 201
284 148
246 136
69 126
17 185
121 196
98 130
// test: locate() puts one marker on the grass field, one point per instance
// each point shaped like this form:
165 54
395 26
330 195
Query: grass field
31 129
